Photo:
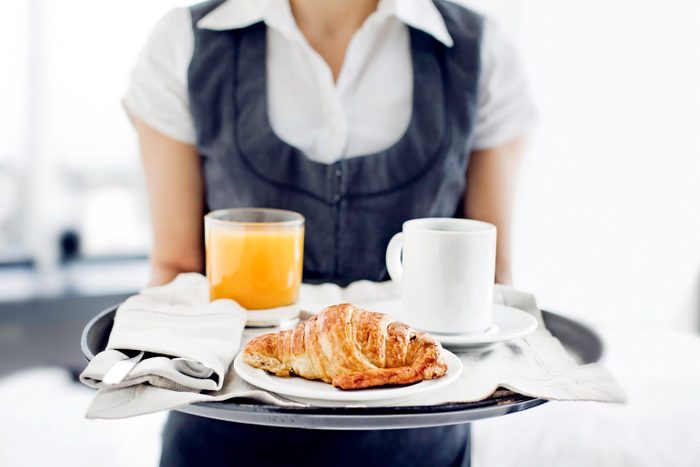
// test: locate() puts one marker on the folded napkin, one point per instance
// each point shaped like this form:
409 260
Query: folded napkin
189 342
537 365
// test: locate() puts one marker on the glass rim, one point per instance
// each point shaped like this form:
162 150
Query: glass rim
295 219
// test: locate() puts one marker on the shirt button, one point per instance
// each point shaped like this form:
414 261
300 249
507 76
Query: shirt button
338 172
337 197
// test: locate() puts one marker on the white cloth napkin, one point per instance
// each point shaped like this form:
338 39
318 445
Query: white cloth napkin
537 365
190 345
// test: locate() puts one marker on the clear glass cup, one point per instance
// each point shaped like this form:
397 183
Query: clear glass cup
254 256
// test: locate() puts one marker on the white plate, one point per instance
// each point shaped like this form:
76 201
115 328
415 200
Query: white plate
508 323
323 394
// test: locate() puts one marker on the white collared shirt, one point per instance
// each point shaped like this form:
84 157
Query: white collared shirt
365 111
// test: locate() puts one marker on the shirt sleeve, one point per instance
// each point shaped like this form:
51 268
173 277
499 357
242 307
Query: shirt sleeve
506 107
157 92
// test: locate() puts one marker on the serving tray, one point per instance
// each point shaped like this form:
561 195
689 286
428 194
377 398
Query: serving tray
579 340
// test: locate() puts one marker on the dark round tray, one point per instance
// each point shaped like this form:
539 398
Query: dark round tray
581 342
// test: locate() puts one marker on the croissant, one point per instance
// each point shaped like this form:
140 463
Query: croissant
350 348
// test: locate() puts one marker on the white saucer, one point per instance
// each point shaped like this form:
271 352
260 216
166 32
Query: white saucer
323 394
508 323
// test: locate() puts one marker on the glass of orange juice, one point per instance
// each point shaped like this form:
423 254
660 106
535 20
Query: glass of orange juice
254 256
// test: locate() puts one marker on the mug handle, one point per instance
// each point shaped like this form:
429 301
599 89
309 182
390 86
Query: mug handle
393 257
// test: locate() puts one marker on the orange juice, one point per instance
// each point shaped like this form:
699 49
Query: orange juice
257 267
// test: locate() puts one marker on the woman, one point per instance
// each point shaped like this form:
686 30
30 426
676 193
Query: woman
360 114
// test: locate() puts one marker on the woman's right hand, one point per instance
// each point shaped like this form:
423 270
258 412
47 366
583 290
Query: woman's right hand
176 196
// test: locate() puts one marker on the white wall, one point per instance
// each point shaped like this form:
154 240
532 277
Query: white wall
608 221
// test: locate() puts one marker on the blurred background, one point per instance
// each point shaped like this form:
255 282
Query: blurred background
607 221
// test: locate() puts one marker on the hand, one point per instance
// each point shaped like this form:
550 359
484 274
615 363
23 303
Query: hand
504 275
162 275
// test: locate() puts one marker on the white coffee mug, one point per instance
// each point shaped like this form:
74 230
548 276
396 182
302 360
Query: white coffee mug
446 270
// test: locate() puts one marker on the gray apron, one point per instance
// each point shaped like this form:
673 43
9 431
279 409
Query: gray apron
352 208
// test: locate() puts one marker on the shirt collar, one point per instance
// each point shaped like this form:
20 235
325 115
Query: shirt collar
419 14
236 14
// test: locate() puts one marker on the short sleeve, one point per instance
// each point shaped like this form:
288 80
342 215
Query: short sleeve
157 93
506 107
